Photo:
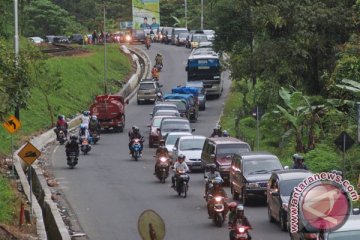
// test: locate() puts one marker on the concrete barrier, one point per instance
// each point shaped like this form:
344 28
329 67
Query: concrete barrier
49 222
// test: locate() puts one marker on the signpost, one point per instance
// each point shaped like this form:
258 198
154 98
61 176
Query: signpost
12 124
151 226
344 142
29 153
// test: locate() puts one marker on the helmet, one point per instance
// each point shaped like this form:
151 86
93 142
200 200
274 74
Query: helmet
86 113
135 128
159 94
217 181
73 137
218 127
162 143
181 157
225 133
240 208
300 158
295 156
61 117
94 117
212 167
232 206
83 126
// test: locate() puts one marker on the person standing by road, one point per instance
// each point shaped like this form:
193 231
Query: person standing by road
94 37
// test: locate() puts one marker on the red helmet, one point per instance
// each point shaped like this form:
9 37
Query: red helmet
232 206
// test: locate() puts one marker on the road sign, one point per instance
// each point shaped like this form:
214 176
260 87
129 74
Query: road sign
344 141
29 153
12 124
151 226
257 110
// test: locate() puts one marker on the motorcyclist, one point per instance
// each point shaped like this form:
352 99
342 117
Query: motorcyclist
179 165
135 134
159 97
155 73
61 124
239 219
211 175
216 190
84 133
299 162
217 131
85 119
161 151
159 59
94 125
72 147
232 212
147 39
225 134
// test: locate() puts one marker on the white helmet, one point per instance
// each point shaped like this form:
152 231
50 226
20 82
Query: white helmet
159 94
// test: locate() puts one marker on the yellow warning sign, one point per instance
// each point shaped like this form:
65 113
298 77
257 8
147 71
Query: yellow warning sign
29 153
151 226
12 124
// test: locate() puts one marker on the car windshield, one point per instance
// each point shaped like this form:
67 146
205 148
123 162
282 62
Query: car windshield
259 166
192 144
164 113
171 139
183 35
146 86
164 107
228 149
175 126
180 105
200 38
346 235
156 122
287 186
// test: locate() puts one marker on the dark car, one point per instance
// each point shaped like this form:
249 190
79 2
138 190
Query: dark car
201 97
76 38
163 106
181 39
182 106
279 189
61 39
154 134
250 172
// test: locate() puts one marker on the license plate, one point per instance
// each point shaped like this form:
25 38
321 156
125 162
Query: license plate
241 235
183 176
196 167
204 67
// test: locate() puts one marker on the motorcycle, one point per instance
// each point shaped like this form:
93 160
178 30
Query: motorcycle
95 136
162 168
136 148
72 160
182 180
85 146
241 232
218 213
61 137
147 43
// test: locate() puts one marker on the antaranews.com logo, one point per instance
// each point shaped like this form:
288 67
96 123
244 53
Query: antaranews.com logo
321 202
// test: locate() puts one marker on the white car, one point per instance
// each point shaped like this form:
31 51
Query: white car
171 138
191 147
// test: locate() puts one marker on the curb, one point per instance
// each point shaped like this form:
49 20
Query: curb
49 222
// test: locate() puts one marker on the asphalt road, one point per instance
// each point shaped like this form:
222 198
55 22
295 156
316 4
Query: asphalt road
108 191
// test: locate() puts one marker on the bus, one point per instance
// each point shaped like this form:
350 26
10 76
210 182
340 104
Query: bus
205 67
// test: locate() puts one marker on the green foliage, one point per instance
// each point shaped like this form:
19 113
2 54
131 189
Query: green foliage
7 200
323 158
82 80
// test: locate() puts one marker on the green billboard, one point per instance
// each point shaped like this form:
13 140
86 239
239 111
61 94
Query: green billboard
146 14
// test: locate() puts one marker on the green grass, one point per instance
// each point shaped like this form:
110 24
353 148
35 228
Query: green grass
7 200
83 78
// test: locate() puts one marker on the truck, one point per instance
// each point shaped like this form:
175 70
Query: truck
110 111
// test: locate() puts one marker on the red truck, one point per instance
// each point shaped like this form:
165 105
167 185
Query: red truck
110 111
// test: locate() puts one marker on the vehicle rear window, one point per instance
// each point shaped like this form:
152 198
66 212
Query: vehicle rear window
346 235
171 139
164 107
287 186
228 149
175 126
162 113
192 144
180 105
157 122
146 86
201 38
260 166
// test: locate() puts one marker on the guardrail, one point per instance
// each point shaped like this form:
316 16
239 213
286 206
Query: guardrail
49 223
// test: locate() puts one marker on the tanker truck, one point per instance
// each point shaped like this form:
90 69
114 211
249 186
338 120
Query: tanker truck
110 111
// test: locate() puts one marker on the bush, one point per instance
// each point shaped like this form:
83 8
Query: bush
323 158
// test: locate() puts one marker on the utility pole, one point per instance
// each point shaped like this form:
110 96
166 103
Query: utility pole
104 40
16 45
186 20
202 15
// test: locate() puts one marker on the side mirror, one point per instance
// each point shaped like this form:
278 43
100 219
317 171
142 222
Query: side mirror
127 101
212 157
286 167
193 130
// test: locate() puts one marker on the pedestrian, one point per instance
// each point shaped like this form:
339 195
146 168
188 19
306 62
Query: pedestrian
94 37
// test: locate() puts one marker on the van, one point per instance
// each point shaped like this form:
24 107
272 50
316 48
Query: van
220 151
175 32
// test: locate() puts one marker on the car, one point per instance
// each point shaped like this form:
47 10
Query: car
175 32
170 140
36 40
77 38
154 134
205 45
181 39
172 124
210 34
220 151
202 94
182 106
191 147
49 38
250 172
195 39
163 106
174 113
147 91
61 40
279 188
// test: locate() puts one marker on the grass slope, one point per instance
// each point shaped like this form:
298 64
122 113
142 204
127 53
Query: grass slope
7 202
83 78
